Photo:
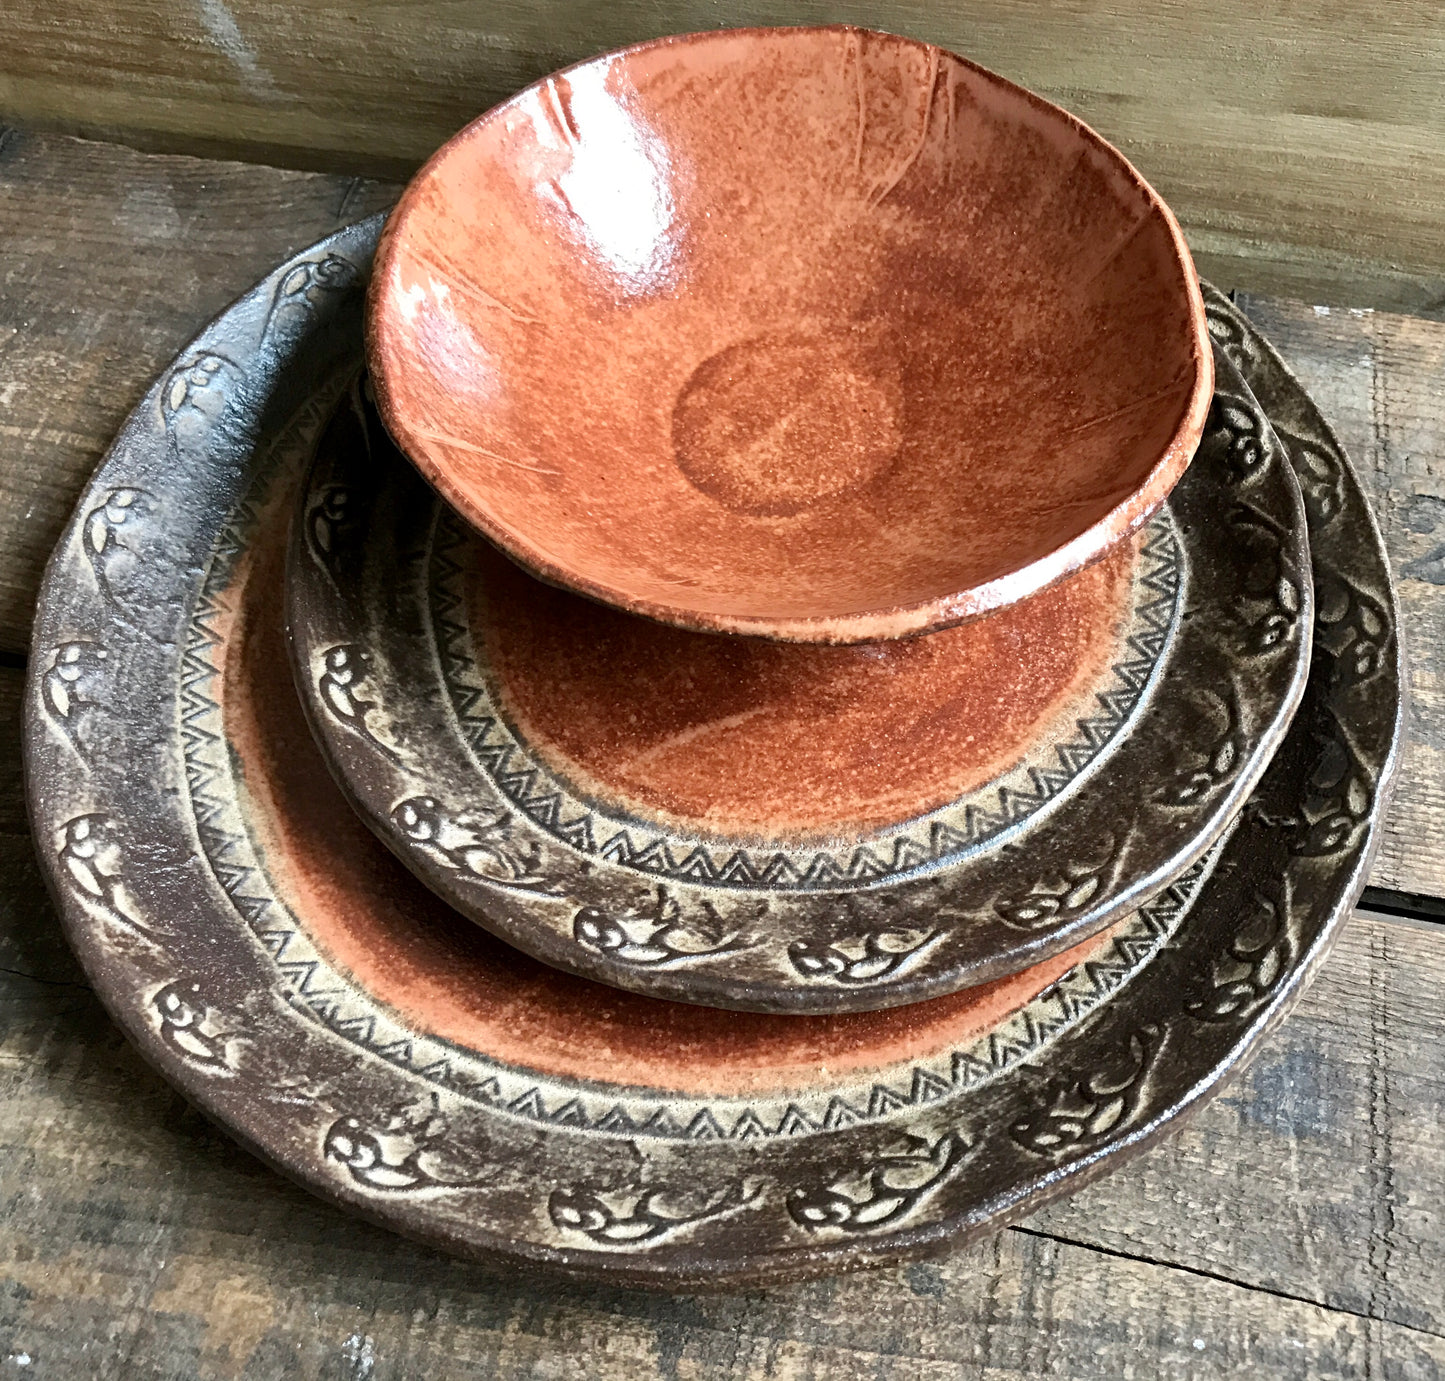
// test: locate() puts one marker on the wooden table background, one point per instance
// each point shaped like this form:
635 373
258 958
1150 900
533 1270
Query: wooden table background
1296 1228
1304 141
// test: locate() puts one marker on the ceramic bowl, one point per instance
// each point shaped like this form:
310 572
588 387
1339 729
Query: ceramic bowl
811 334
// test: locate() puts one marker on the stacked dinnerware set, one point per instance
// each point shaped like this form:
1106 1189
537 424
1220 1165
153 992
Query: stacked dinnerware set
759 680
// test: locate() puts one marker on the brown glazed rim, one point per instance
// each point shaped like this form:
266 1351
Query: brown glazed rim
897 621
165 938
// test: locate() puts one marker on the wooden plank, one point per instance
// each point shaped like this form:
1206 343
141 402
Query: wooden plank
1380 379
1291 1230
112 260
1319 1174
1288 138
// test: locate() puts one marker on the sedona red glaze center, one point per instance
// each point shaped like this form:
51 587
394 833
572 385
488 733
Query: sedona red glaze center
744 737
452 979
812 333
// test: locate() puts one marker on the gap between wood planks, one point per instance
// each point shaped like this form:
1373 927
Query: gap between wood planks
1143 1260
1408 906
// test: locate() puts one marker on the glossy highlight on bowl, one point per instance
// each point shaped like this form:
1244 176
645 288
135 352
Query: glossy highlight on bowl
812 334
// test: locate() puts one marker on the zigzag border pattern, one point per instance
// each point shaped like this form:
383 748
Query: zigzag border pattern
315 990
938 838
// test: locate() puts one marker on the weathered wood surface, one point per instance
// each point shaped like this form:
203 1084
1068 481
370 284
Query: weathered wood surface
1289 138
1293 1229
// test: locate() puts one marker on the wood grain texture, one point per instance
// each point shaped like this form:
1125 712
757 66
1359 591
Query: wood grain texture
1292 1230
111 261
1287 138
1380 380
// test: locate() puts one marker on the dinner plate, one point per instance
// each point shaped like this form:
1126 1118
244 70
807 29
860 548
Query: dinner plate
775 827
276 963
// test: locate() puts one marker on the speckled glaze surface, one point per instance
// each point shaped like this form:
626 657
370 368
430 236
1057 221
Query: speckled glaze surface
814 334
779 827
294 982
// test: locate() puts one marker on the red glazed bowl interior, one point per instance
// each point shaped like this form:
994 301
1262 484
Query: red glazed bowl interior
816 334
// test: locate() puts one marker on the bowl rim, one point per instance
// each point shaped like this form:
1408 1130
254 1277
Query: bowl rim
877 624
